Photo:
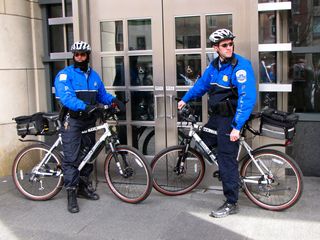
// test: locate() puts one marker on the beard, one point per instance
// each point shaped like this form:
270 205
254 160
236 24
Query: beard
82 65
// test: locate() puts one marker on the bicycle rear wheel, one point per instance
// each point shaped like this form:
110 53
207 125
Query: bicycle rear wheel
134 184
166 178
44 184
286 184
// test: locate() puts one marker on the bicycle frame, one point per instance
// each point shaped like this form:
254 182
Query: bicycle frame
35 170
98 143
193 128
94 150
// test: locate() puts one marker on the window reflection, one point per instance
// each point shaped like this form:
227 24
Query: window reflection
268 68
210 57
268 99
188 69
304 62
196 105
70 40
142 105
56 34
143 139
54 10
141 71
316 27
267 27
139 34
121 132
113 71
111 36
187 32
304 74
214 22
68 8
304 25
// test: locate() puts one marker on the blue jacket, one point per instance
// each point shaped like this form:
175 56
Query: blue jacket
217 78
76 90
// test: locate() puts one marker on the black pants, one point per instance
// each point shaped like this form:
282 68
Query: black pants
227 154
73 141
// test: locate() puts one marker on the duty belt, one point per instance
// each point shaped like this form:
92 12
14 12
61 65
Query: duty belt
224 109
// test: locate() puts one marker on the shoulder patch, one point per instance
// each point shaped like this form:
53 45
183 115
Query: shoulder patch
241 76
63 77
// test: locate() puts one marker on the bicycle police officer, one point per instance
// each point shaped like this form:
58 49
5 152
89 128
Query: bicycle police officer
79 88
230 83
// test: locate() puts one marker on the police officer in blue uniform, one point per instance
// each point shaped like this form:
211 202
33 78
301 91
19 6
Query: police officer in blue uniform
230 83
79 90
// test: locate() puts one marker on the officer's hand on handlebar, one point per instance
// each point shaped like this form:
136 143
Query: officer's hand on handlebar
181 104
119 104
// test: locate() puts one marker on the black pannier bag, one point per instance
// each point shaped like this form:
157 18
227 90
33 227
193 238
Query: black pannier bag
34 124
278 124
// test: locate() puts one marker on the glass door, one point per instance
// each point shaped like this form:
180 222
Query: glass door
127 42
152 54
188 51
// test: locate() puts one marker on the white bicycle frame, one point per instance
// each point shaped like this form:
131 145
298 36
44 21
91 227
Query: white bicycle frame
106 134
193 128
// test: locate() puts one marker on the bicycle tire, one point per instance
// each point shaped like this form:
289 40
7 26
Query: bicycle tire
167 181
287 186
37 187
135 184
146 143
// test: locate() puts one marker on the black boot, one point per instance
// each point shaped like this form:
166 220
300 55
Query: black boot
85 189
72 200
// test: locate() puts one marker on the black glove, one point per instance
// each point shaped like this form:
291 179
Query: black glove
90 109
120 105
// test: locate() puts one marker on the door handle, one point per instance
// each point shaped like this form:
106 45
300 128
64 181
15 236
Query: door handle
171 115
156 97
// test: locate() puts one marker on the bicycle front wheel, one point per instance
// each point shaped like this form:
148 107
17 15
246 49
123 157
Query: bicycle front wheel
286 184
33 181
128 174
172 178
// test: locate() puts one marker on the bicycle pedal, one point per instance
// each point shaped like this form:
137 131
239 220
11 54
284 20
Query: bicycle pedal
216 174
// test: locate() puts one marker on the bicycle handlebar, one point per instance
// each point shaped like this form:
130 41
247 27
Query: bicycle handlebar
187 114
105 112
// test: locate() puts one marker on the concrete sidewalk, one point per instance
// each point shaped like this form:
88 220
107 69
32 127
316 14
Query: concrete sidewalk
158 217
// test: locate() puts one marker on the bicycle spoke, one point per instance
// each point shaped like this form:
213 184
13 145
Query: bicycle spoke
36 186
284 188
134 183
171 178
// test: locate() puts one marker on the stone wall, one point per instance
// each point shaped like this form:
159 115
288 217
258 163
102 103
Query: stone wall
22 75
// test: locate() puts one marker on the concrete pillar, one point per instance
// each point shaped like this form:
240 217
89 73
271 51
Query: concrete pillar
22 75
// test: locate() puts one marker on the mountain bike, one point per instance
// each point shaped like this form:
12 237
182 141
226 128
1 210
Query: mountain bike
270 178
38 175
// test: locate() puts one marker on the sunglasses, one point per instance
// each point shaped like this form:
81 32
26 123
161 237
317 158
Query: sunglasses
82 54
230 44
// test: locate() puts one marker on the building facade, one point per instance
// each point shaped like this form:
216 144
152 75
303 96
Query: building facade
151 52
23 88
